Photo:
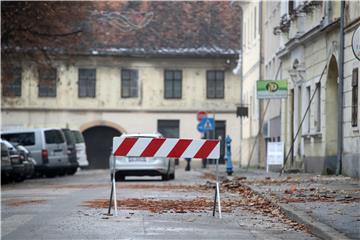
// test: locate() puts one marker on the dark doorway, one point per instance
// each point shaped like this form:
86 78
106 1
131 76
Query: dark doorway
98 142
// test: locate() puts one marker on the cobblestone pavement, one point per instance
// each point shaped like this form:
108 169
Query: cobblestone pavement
74 207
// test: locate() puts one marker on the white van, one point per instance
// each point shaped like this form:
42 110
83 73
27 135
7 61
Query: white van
80 149
47 147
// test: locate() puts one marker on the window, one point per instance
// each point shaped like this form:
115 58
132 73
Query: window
129 83
53 136
318 107
11 81
78 136
355 92
215 84
255 23
25 139
47 82
244 37
169 128
173 82
69 136
291 7
87 82
308 114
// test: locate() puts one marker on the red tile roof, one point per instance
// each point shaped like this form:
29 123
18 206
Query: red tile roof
179 28
136 28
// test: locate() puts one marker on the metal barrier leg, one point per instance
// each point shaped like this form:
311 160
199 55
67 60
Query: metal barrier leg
115 201
111 196
217 191
215 198
218 199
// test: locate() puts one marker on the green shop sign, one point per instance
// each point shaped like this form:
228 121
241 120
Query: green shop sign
271 89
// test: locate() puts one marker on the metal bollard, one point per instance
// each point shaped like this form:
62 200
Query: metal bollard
229 166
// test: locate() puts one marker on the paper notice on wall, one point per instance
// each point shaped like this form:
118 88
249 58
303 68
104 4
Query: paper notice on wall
275 154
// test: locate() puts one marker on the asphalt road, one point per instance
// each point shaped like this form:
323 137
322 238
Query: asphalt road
74 207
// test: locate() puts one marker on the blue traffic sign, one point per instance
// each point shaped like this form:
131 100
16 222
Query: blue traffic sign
200 128
208 124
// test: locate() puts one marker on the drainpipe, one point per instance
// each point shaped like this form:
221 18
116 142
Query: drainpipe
241 85
241 104
340 92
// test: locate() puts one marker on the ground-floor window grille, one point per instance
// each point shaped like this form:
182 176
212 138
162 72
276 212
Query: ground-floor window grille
318 107
355 94
169 128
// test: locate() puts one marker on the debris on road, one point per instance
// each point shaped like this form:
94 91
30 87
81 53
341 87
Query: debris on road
157 206
18 202
166 187
245 199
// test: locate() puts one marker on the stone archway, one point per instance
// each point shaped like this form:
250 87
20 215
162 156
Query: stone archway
331 116
98 137
102 123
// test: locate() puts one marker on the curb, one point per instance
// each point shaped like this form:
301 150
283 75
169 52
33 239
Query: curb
315 227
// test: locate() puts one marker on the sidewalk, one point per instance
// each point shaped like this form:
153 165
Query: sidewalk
328 205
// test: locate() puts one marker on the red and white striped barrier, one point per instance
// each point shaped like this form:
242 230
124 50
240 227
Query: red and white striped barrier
166 147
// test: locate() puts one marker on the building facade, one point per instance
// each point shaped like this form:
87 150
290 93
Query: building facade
128 96
315 133
251 72
351 122
271 70
135 86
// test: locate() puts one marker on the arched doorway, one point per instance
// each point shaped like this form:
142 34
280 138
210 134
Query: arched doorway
331 116
98 140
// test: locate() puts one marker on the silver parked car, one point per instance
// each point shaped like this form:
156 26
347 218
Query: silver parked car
143 166
18 173
47 147
6 167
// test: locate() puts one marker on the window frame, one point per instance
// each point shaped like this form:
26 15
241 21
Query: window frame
317 120
90 91
308 115
12 87
50 84
133 83
172 80
215 72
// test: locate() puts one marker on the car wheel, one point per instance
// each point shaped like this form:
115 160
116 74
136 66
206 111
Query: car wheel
50 173
61 172
19 178
172 176
72 171
166 176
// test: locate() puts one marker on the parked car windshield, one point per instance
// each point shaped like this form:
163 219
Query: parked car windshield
78 137
69 136
25 139
53 136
